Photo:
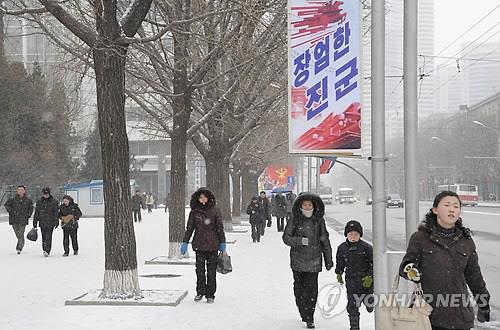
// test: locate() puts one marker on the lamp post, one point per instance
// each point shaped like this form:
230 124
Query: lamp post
478 123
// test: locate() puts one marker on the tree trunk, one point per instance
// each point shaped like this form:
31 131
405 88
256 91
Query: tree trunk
236 179
177 218
249 186
217 165
2 36
180 124
120 275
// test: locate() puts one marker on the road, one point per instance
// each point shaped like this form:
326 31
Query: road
484 223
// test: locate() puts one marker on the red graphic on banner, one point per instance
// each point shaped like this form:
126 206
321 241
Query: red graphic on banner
337 131
299 100
317 18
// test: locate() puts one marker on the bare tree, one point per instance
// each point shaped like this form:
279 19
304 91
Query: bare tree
243 99
108 37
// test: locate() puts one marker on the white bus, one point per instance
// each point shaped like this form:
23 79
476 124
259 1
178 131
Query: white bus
467 192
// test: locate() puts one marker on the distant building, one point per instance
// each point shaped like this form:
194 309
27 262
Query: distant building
90 196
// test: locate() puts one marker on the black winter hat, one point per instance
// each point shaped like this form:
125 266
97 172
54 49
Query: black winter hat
46 190
353 225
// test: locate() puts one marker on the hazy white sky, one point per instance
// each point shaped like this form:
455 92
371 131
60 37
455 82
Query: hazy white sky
454 17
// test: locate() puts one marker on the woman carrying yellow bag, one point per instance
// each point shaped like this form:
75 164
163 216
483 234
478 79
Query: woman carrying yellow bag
442 257
69 213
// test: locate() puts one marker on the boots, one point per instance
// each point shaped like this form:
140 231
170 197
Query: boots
354 321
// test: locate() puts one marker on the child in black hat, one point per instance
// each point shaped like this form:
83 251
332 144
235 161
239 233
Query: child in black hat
355 257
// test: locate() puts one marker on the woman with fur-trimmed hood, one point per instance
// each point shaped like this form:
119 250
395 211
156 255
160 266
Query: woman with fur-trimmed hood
309 242
442 256
205 222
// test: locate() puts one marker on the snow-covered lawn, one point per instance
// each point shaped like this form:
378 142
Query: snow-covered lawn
257 295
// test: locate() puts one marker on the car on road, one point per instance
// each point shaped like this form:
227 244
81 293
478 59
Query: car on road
394 200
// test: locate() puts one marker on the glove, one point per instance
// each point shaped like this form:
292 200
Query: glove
340 279
184 248
305 241
367 281
222 247
483 314
329 265
269 223
412 273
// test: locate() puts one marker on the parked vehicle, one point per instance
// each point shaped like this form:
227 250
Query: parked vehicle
346 196
467 192
394 200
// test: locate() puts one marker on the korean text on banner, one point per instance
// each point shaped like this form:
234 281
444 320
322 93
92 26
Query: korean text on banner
324 76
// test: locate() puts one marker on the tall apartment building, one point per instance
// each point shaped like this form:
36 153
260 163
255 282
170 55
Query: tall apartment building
394 86
474 79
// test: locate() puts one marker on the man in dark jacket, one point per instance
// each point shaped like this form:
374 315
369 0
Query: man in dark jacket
255 211
355 257
137 205
20 209
266 211
46 214
308 238
205 222
279 211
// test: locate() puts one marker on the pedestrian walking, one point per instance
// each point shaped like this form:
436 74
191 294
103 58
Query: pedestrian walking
290 198
205 222
309 242
442 256
20 209
355 258
46 215
150 201
69 214
137 205
255 211
279 211
266 210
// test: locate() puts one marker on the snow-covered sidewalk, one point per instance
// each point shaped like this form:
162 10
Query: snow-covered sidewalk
258 294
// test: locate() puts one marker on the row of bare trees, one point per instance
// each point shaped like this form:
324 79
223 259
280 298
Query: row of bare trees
210 71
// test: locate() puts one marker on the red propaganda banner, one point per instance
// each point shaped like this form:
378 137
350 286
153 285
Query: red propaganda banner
277 177
324 76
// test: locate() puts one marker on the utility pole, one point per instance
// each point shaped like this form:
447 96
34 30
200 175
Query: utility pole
309 174
318 179
410 115
378 152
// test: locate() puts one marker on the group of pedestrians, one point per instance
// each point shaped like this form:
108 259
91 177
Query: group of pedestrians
142 202
440 243
48 214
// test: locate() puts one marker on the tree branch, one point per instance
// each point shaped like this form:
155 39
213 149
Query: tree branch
82 31
134 16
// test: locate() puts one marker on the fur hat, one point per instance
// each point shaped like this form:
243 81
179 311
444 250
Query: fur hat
353 225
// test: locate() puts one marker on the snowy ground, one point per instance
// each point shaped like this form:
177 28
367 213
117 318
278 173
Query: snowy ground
257 295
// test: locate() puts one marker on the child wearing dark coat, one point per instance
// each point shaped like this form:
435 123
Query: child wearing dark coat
256 212
355 257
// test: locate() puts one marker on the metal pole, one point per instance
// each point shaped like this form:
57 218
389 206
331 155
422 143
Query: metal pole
318 180
309 174
410 115
301 174
378 152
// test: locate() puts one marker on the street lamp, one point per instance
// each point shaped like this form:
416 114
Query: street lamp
478 123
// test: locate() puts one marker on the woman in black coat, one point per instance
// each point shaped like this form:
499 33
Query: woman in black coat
205 222
442 256
309 242
69 213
